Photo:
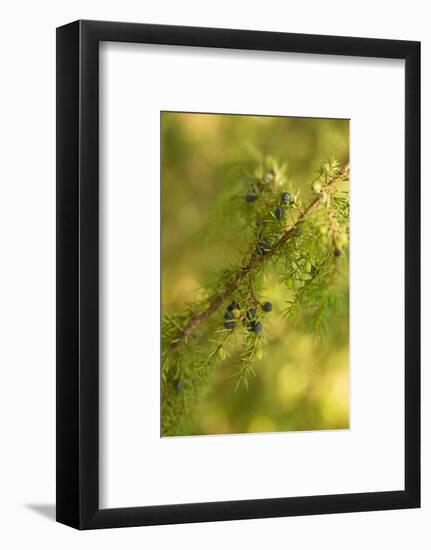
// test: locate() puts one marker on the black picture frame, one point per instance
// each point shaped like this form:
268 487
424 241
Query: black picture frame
78 274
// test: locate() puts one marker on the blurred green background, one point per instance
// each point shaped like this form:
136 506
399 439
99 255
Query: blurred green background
302 383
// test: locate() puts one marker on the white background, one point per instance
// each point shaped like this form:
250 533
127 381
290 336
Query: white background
137 466
27 173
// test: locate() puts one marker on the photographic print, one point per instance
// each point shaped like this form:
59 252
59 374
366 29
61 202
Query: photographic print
253 339
255 274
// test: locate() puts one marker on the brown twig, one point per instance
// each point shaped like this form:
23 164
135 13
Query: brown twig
254 263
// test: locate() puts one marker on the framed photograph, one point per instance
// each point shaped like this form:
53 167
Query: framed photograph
238 274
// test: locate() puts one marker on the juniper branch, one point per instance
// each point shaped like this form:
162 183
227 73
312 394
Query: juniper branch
251 266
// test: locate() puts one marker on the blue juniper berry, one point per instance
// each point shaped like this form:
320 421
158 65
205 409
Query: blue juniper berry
263 247
267 306
256 326
178 386
279 212
286 198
